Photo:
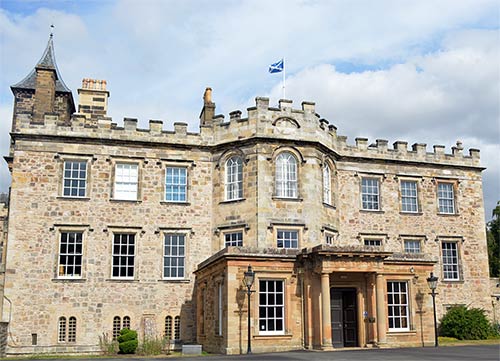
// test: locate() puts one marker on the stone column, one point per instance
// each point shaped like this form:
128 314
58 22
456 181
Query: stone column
381 332
326 320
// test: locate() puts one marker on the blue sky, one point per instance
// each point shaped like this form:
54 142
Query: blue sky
420 71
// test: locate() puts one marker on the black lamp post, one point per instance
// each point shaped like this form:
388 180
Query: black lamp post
248 281
432 282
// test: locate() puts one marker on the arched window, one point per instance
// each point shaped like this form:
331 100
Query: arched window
286 176
168 327
117 326
327 185
61 329
177 328
126 322
72 329
234 178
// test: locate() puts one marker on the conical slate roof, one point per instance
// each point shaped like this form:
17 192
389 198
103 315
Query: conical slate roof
48 61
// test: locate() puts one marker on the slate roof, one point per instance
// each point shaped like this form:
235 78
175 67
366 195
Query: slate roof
48 61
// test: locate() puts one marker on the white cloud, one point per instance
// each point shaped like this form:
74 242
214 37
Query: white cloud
438 76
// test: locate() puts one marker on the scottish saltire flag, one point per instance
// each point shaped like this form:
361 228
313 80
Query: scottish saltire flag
277 67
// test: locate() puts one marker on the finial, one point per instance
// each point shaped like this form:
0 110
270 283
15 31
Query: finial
52 30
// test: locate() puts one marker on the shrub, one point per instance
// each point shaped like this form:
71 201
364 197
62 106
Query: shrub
152 345
107 345
127 341
465 324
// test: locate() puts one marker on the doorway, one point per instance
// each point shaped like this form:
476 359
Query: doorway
344 317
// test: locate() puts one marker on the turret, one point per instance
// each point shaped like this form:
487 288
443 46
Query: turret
43 92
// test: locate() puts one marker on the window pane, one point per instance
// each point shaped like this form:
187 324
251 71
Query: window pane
271 307
287 239
397 303
176 184
174 256
370 193
70 255
234 178
74 178
123 255
450 261
286 176
446 198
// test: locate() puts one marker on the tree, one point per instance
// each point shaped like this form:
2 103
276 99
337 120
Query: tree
493 234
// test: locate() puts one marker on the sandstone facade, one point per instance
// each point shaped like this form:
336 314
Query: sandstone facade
339 259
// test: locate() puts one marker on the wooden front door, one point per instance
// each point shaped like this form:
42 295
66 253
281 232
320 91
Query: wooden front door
343 315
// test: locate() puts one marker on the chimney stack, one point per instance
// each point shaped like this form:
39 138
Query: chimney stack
93 99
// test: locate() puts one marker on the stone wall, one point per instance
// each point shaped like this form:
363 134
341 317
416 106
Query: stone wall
38 213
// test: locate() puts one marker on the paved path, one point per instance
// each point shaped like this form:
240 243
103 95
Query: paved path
450 353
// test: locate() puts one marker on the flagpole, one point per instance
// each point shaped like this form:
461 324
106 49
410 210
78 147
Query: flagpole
284 76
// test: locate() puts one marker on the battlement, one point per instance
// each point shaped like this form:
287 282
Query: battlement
261 121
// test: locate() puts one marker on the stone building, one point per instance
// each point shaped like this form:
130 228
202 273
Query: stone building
114 226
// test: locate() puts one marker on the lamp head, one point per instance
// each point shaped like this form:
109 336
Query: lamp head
432 281
249 277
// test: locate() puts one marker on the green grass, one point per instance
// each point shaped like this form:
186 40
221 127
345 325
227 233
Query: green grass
450 341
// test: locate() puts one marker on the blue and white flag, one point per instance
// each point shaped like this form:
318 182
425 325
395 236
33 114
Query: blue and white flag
277 67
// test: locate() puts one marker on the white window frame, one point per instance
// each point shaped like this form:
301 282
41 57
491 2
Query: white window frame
234 178
286 236
372 242
450 256
329 238
120 257
234 237
286 176
126 181
72 178
179 255
271 305
70 255
446 198
397 301
409 196
327 184
370 194
409 246
178 182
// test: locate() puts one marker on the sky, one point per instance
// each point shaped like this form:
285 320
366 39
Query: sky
420 71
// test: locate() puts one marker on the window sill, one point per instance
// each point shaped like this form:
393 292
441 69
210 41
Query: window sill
122 280
447 214
73 198
116 200
328 205
411 213
285 199
77 280
174 280
371 211
232 201
402 332
452 281
276 337
176 203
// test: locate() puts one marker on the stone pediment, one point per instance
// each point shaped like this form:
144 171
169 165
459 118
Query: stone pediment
286 123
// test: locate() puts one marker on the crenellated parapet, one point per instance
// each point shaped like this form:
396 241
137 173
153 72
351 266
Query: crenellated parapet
272 124
400 152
